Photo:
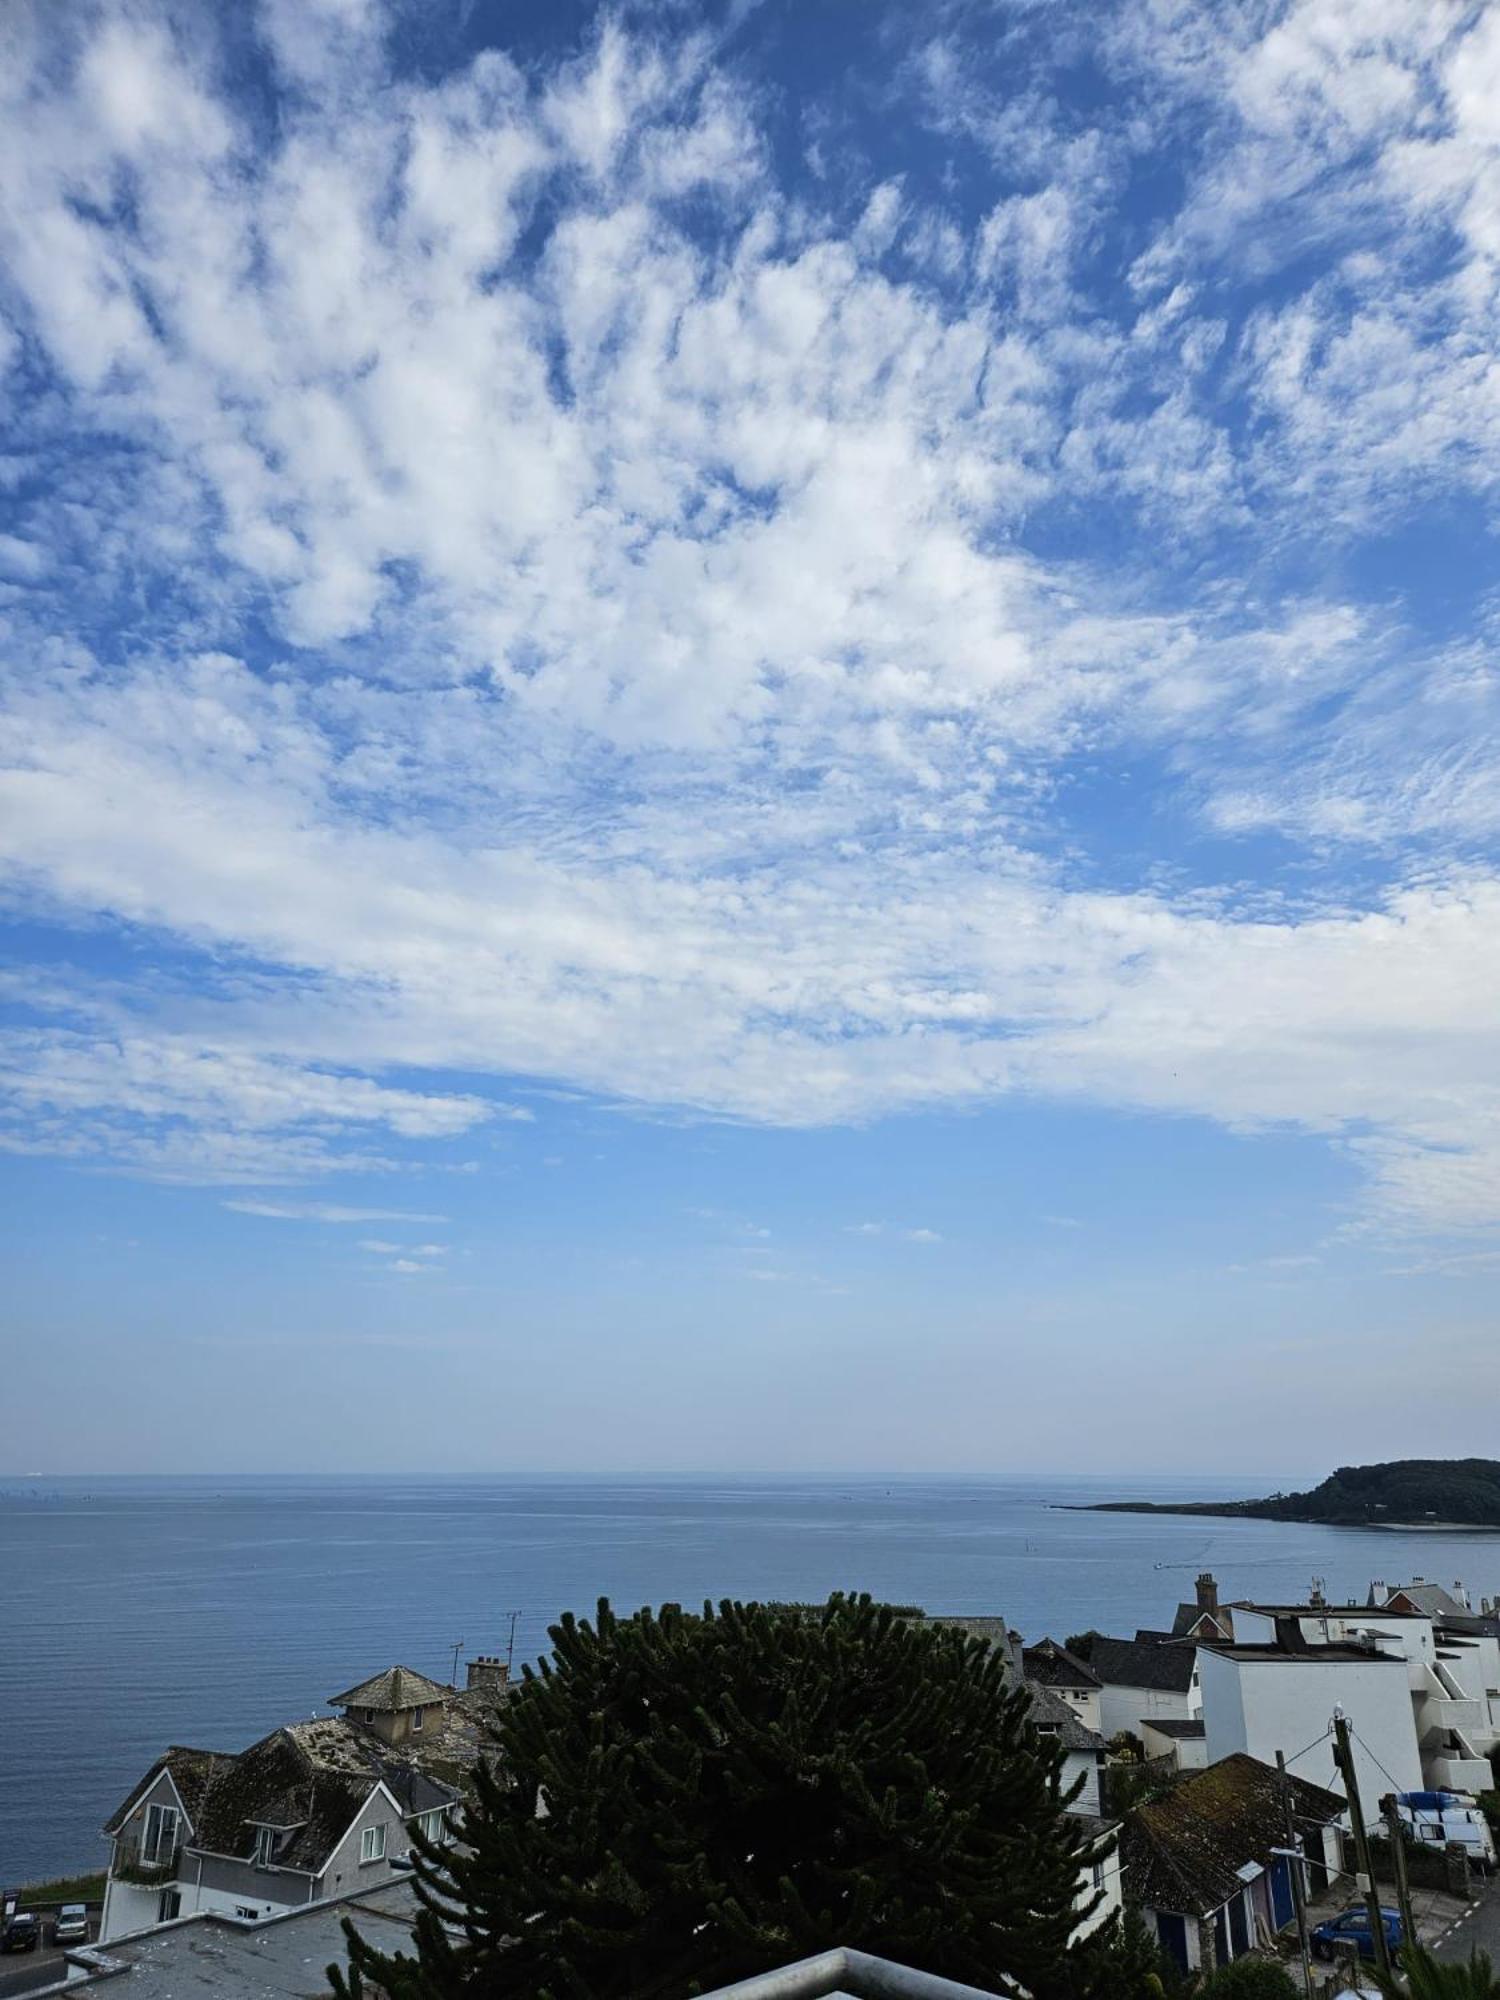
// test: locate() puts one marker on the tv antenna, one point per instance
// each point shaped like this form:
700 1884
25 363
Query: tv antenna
458 1646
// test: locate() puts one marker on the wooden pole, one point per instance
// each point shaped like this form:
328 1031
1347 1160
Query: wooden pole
1345 1759
1294 1869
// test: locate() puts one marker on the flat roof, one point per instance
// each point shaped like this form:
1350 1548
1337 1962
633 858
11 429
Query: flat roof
283 1958
1314 1656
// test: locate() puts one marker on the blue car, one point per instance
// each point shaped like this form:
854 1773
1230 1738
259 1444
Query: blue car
1352 1927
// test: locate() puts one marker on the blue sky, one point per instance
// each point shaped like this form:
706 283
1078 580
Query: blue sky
748 737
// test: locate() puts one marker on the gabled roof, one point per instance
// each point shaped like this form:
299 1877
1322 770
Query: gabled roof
1183 1728
192 1772
396 1688
1149 1664
1052 1665
1182 1851
1052 1716
310 1779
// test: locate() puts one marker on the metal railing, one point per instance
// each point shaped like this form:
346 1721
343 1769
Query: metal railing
848 1972
132 1864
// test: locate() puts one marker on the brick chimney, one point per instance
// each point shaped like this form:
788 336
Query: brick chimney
488 1670
1208 1592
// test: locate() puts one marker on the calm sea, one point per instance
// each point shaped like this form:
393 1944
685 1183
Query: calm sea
136 1613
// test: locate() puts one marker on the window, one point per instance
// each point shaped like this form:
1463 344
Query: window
416 1718
265 1846
161 1833
372 1844
246 1910
431 1824
169 1906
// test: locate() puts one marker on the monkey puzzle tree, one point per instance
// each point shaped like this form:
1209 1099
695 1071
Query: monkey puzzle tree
678 1801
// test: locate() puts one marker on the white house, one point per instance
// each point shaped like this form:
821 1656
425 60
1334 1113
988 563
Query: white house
1452 1662
1259 1699
318 1809
1185 1742
1143 1679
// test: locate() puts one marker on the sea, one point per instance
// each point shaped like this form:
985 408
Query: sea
135 1613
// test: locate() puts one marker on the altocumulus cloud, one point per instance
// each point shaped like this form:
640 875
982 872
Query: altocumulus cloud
525 571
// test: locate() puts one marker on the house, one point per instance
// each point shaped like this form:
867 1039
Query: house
1452 1661
1204 1618
1203 1865
1181 1742
1143 1678
1052 1666
1083 1757
316 1809
1083 1750
1431 1599
1266 1696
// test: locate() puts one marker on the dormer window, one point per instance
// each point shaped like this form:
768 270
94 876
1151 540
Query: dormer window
265 1846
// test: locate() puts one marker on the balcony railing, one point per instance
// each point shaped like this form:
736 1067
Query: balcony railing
133 1864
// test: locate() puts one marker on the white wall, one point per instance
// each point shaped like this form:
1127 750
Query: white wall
1262 1706
1124 1707
1081 1764
1104 1876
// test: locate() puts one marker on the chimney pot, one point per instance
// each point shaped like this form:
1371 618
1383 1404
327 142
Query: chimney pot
1208 1591
488 1670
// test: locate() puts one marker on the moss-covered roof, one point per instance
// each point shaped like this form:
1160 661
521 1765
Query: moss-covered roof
1182 1852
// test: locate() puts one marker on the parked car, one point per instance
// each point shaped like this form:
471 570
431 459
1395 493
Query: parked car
1352 1927
71 1925
21 1933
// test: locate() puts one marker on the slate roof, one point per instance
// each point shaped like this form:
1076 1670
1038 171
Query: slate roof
1137 1664
309 1779
1185 1727
396 1688
192 1773
1052 1665
1180 1853
1053 1717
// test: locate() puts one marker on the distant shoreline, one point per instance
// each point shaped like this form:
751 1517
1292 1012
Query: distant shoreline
1250 1511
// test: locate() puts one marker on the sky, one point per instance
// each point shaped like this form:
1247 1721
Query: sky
749 737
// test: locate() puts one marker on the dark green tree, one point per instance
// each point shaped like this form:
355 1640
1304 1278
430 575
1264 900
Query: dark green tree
1250 1979
677 1802
1423 1977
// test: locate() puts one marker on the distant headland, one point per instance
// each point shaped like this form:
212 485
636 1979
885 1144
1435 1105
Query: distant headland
1431 1494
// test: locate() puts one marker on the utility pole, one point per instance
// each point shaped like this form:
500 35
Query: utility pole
458 1646
1391 1813
1294 1869
1344 1758
510 1651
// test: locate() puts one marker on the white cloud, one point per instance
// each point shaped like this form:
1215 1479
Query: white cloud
322 1211
668 696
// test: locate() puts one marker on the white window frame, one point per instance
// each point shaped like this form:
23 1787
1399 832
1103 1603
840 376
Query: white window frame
372 1845
431 1824
159 1835
265 1846
416 1719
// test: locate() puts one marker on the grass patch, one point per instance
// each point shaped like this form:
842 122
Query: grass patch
66 1889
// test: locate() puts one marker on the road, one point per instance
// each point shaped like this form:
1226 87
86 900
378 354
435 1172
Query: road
1479 1930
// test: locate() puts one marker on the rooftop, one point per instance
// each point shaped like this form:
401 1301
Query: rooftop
396 1688
1182 1852
283 1958
1054 1666
1185 1726
1144 1664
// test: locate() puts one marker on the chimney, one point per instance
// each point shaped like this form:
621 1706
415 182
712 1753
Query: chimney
1208 1592
488 1670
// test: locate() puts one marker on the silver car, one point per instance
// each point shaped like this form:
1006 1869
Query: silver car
72 1925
